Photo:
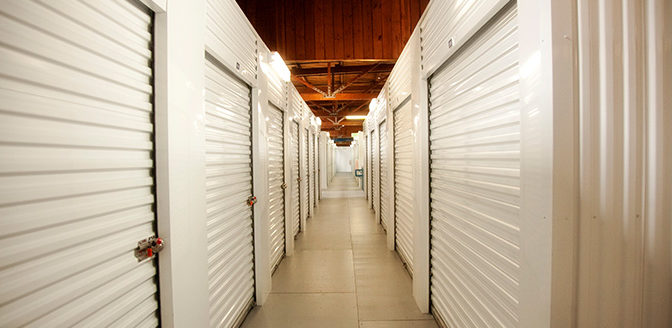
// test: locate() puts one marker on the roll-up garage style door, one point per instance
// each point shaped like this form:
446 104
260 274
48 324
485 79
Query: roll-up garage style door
276 185
76 164
228 178
374 170
306 176
296 178
383 165
403 183
317 169
311 168
475 154
367 172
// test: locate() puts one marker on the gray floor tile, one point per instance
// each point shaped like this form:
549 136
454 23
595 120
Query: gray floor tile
305 310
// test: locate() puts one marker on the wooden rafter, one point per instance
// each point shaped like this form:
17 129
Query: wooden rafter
340 96
312 87
343 87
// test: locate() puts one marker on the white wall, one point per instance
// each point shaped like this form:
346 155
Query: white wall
343 159
180 162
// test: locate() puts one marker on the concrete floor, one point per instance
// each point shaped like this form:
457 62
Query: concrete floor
341 275
343 185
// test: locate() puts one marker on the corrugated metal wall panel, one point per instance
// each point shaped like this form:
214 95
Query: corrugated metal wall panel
400 78
296 103
277 93
296 177
475 180
403 183
448 25
229 37
624 270
228 178
76 164
276 183
385 185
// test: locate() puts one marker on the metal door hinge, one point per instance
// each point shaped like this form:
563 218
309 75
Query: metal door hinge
251 200
148 247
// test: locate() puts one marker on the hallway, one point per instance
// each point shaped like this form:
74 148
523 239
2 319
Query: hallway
341 275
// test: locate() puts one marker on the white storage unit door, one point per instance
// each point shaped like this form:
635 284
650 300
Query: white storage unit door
317 168
367 172
276 185
228 178
294 155
306 176
383 166
475 187
76 164
374 170
403 183
311 168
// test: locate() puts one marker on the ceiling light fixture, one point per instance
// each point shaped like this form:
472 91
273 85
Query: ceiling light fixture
279 66
355 117
373 104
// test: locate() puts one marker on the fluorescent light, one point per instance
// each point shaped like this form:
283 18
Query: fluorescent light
355 117
373 104
279 66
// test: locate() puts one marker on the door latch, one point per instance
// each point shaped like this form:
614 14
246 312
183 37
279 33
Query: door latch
148 247
251 200
283 186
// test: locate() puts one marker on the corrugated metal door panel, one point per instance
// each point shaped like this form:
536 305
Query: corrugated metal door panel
294 155
403 182
374 162
306 176
229 36
76 165
276 181
309 163
313 176
228 178
311 167
475 180
316 167
382 172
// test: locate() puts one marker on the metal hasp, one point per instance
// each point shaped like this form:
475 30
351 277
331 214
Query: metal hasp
251 200
148 247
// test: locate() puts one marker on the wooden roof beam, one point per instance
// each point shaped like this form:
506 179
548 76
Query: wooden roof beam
338 69
340 96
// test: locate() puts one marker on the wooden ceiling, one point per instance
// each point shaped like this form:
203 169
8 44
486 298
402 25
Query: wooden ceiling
340 52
